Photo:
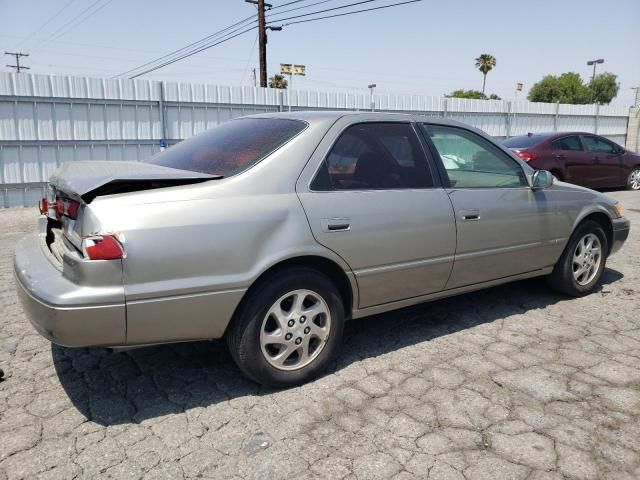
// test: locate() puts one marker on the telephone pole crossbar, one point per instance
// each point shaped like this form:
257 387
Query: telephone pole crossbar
17 66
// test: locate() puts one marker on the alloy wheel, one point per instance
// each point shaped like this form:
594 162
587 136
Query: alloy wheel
586 259
634 179
295 330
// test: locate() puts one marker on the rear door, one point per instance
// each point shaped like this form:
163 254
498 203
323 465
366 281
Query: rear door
371 197
504 227
608 166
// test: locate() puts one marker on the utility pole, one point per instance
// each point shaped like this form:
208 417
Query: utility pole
262 38
17 66
371 88
636 103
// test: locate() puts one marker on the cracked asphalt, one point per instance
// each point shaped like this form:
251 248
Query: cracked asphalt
514 382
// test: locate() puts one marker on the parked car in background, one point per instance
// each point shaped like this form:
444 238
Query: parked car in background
581 158
272 230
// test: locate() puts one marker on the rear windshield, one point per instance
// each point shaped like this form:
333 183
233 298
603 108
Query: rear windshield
231 148
524 141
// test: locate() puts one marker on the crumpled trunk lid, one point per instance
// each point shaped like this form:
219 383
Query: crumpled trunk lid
85 180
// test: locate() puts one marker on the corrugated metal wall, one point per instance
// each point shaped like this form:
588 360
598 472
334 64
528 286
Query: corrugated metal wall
47 120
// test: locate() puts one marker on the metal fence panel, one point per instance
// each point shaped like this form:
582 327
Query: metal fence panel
46 120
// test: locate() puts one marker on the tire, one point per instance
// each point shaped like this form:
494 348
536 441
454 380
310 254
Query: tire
633 181
566 277
264 346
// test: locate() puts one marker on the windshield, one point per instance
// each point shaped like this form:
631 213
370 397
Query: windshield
523 141
231 148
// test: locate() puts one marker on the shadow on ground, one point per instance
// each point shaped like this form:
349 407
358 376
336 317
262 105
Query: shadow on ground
123 387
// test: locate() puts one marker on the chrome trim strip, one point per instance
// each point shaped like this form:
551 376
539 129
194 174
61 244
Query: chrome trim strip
363 272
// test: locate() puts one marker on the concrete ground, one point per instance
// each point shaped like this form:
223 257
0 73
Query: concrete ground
514 382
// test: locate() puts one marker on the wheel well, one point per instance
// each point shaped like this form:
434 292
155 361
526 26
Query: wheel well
328 267
605 222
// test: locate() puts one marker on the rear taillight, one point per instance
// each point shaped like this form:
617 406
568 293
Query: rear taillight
43 206
527 156
68 208
103 247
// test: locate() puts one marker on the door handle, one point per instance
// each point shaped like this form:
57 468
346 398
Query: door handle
336 224
472 214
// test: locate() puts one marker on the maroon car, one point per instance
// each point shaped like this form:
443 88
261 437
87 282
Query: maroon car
581 158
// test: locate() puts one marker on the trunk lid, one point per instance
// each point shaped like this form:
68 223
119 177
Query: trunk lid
83 181
75 184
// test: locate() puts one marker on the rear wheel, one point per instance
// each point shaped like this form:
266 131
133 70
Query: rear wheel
582 262
288 328
633 182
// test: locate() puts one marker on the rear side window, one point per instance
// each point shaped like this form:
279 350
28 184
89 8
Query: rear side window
231 148
523 141
599 145
567 143
375 156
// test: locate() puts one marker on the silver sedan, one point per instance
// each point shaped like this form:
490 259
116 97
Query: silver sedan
272 230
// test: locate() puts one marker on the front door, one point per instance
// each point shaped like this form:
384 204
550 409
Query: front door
504 227
573 160
370 196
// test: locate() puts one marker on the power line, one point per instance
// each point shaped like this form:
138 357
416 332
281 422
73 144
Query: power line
51 19
301 7
169 62
210 41
324 11
182 50
288 3
80 21
246 70
350 13
70 24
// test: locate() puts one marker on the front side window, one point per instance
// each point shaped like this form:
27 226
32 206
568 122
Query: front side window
231 148
599 145
370 156
567 144
473 162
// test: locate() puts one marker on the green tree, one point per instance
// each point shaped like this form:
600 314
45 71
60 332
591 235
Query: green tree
485 64
604 88
466 94
565 88
475 94
278 81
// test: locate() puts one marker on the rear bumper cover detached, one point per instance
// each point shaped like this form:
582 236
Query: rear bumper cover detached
62 311
621 227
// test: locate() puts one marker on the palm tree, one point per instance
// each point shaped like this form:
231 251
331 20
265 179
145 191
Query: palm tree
278 81
485 63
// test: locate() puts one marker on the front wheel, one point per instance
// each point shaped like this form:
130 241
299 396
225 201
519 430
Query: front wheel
582 262
288 328
633 182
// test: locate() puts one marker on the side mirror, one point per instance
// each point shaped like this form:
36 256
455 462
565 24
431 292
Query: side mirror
541 179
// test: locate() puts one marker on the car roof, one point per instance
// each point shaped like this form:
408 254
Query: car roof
333 115
552 134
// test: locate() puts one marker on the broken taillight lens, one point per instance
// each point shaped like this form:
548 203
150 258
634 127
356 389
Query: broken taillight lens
103 247
68 208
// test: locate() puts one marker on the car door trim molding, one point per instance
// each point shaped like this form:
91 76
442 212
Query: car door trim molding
511 248
363 272
407 302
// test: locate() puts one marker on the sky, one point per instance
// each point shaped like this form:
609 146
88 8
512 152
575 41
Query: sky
425 48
